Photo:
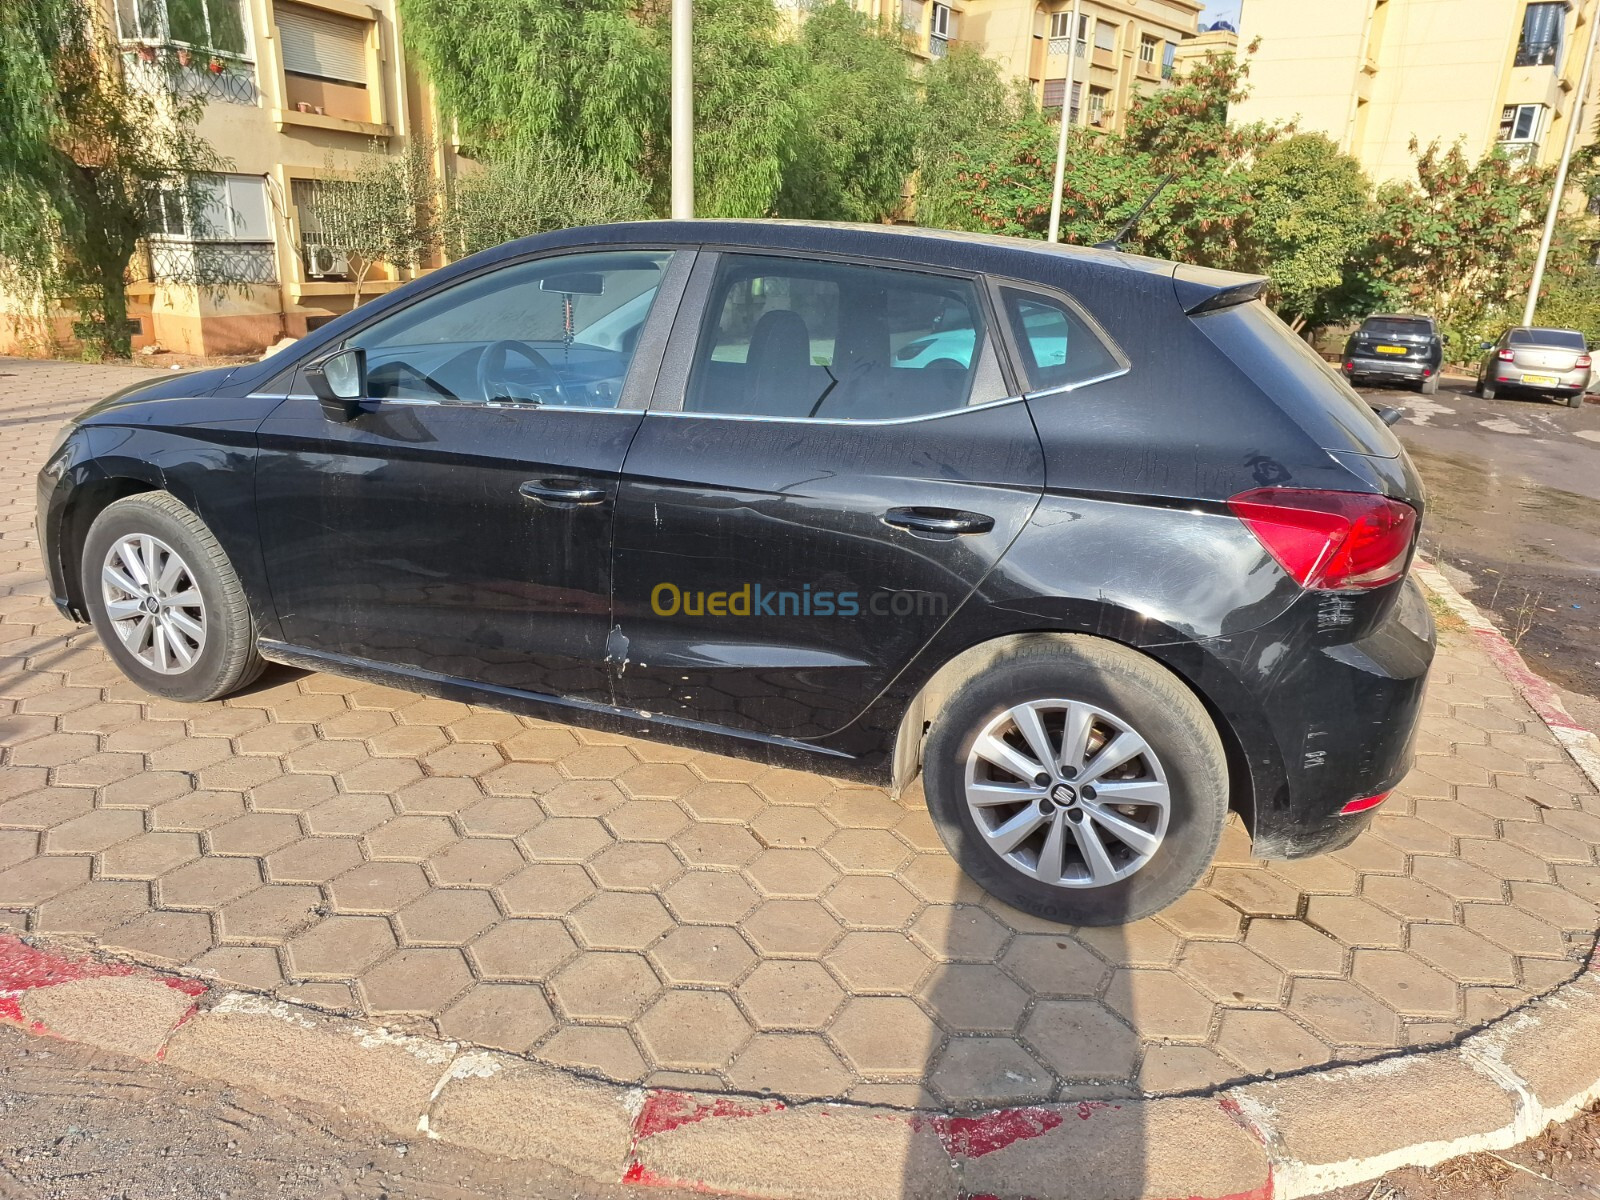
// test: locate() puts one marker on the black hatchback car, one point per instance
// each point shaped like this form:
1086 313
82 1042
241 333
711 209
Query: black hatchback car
1396 348
1092 541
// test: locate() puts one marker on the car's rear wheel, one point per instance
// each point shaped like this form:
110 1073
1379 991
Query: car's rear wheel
1575 400
1430 386
1078 781
165 600
1486 390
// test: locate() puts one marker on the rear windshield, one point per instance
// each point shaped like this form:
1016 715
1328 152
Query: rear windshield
1395 327
1566 339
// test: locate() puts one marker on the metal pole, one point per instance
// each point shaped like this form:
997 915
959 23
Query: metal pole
682 109
1066 122
1573 123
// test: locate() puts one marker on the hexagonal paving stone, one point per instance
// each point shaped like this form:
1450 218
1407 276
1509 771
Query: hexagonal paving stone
581 798
866 850
711 896
447 916
1514 929
878 962
518 781
1263 1042
1555 905
149 855
1169 1069
1199 914
438 795
1412 835
522 949
866 901
566 839
863 808
94 831
792 828
1410 987
1343 1013
476 862
973 998
381 887
170 937
254 967
603 986
209 883
796 1065
621 921
646 820
791 927
790 995
692 1031
463 759
639 865
1458 878
348 815
340 947
709 955
964 933
1144 943
501 817
1080 1039
1462 954
507 1016
885 1035
1053 965
703 844
197 811
607 1052
657 780
1296 947
989 1071
270 913
1231 973
313 860
1355 921
722 802
597 762
1409 899
416 981
796 873
1255 892
1160 1005
411 838
545 889
94 908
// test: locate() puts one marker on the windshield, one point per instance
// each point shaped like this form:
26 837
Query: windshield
1566 339
1395 327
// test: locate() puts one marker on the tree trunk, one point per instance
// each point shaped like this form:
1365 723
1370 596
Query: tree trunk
114 311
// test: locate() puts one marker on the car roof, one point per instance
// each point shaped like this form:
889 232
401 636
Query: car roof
1398 317
1543 329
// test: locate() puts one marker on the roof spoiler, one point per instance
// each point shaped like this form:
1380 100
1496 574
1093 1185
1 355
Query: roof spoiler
1203 290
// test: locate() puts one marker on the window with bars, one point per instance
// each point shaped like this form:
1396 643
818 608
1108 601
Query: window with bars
209 25
1098 98
1543 31
1056 89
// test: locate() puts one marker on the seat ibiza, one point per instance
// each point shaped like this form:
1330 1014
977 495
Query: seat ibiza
1091 542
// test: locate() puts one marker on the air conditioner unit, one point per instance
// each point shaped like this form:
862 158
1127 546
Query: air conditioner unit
326 262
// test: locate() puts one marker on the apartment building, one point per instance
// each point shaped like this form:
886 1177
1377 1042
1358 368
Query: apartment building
1376 74
294 90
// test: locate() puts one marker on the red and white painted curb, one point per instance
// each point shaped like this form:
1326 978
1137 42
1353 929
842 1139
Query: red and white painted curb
1540 693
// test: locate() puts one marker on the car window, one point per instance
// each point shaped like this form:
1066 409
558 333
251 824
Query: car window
558 331
1058 346
1392 327
789 338
1566 339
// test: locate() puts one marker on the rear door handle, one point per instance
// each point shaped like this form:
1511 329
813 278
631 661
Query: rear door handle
938 520
561 492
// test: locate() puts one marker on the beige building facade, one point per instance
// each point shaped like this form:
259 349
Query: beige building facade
1374 75
294 91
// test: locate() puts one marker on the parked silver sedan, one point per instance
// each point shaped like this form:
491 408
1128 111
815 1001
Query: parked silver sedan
1551 362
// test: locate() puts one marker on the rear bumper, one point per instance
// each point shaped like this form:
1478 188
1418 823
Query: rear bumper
1567 382
1410 369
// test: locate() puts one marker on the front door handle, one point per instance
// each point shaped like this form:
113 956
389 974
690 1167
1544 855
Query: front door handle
938 520
561 492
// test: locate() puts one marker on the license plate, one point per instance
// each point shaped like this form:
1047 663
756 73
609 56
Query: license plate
1391 349
1541 380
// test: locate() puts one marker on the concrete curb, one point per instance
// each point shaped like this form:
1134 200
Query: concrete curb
1270 1140
1541 695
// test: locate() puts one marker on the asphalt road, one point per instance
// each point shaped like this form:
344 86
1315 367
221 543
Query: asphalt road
1513 516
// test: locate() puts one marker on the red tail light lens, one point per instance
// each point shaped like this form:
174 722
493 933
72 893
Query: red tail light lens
1331 541
1363 804
1507 356
1350 366
1583 361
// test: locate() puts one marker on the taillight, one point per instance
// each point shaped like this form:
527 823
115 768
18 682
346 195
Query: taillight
1351 365
1583 361
1331 541
1363 804
1427 372
1507 356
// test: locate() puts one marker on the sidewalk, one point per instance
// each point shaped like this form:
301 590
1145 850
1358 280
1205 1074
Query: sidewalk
645 915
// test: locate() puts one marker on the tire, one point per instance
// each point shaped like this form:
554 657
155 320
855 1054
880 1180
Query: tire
1575 400
1430 386
151 650
1118 690
1486 390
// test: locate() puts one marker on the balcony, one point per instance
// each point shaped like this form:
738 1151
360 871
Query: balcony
213 264
188 71
938 46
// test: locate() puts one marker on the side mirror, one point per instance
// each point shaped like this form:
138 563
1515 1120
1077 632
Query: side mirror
1485 345
340 383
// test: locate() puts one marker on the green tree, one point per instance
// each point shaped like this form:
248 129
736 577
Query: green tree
1312 214
83 150
856 120
384 209
971 114
745 80
523 190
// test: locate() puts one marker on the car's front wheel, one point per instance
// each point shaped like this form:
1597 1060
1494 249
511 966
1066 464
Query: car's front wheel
1079 781
165 600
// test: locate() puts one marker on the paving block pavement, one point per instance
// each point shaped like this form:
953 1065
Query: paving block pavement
645 914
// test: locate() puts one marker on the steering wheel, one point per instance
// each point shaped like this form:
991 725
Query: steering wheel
492 383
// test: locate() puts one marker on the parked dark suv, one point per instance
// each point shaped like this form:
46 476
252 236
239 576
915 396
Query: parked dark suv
1091 540
1395 348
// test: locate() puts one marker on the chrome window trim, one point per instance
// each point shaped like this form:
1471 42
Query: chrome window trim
1081 383
418 402
911 420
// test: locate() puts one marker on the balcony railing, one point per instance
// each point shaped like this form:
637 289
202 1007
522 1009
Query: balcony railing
191 71
1060 47
210 263
938 46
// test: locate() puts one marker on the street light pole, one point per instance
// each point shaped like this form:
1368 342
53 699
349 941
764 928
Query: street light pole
1573 124
682 109
1066 121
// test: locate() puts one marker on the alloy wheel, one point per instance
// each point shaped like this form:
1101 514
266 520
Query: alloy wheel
153 602
1067 793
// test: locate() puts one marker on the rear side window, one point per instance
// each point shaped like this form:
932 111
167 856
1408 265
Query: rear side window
790 338
1566 339
1389 327
1058 346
